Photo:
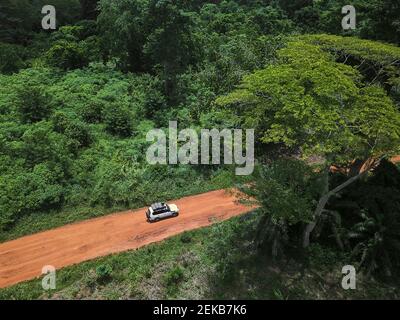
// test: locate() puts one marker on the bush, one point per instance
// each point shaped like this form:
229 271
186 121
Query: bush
186 238
66 55
174 276
92 112
286 190
26 192
104 272
118 120
32 104
39 143
172 279
117 183
323 256
76 131
370 221
11 58
71 49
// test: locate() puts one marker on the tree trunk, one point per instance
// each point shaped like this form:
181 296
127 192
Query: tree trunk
368 165
310 227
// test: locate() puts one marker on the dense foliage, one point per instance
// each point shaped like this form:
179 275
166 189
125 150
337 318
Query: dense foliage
76 104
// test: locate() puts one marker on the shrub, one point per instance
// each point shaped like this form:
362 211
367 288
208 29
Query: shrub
27 192
172 279
92 112
186 238
66 55
118 120
103 272
72 128
73 47
286 191
32 104
370 221
11 58
118 182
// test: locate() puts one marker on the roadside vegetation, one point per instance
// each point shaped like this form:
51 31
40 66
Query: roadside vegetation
217 262
76 105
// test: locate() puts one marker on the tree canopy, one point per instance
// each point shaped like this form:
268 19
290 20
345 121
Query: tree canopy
311 101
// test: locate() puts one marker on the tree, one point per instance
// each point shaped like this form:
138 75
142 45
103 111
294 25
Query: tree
89 9
376 19
11 57
16 21
32 104
309 101
150 35
387 29
118 120
73 47
171 43
285 191
23 192
20 19
76 131
292 6
123 30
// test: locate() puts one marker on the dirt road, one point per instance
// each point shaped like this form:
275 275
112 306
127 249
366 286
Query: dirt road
22 259
395 159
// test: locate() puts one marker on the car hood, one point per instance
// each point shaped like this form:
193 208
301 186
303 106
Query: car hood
173 207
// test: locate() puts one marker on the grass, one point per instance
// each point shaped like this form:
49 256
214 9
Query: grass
217 262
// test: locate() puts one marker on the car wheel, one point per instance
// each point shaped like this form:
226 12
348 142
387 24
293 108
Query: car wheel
156 219
175 214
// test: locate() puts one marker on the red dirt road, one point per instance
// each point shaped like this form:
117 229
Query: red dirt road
22 259
395 159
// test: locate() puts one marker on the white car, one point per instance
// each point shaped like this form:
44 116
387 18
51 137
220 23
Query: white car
161 210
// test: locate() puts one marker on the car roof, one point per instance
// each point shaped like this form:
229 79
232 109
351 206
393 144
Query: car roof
158 206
